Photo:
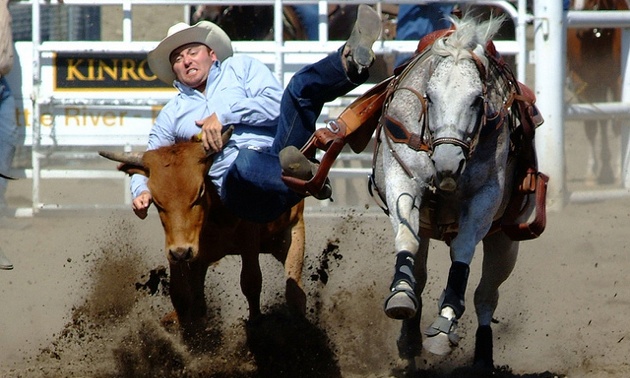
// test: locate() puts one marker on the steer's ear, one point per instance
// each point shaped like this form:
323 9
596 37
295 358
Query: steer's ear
131 169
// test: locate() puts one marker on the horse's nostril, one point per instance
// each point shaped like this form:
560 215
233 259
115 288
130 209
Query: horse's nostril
448 184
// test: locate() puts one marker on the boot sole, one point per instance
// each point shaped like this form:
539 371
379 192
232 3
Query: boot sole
366 31
295 164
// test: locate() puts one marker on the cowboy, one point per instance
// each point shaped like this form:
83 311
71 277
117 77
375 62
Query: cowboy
218 89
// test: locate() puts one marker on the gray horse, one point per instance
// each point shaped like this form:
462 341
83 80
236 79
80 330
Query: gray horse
446 168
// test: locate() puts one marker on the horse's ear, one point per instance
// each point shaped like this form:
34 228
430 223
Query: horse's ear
480 51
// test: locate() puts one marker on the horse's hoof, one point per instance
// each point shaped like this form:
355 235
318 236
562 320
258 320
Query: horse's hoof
483 348
438 344
401 304
441 336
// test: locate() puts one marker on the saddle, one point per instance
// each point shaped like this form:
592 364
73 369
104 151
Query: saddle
357 123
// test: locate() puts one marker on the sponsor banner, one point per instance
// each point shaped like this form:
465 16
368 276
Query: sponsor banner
87 125
87 71
87 76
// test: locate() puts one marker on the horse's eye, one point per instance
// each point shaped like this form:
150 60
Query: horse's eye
477 103
427 98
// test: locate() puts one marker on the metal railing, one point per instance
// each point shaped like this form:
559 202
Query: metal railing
284 56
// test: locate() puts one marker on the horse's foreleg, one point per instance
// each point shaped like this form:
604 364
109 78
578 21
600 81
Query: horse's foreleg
499 258
474 224
409 342
441 334
402 302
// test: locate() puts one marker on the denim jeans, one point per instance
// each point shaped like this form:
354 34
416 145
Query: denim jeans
253 188
309 17
415 21
8 134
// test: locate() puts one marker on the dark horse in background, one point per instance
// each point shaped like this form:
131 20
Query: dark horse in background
594 64
255 22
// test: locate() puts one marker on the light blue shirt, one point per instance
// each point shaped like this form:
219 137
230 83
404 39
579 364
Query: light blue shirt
242 91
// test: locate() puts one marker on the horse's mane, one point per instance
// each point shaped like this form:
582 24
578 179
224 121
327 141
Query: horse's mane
470 35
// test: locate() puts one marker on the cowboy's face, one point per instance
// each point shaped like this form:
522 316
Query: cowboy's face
191 64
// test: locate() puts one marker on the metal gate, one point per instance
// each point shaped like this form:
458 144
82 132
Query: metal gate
48 106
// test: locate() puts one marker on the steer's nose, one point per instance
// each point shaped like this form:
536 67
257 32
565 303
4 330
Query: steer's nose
180 254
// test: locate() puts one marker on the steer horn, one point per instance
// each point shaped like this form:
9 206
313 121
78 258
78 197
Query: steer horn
225 137
134 158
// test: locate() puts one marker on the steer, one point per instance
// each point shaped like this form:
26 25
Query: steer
200 230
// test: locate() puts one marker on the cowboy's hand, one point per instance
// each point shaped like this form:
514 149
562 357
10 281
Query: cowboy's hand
211 133
140 204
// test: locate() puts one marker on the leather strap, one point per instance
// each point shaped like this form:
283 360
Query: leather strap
354 126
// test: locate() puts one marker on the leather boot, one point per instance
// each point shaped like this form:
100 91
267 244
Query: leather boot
357 54
295 164
5 264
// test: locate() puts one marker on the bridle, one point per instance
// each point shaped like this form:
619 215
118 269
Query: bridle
396 132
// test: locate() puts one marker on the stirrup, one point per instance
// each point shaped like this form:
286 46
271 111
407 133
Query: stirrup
325 140
297 167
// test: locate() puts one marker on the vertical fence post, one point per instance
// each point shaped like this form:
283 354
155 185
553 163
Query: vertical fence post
550 50
278 29
35 98
625 98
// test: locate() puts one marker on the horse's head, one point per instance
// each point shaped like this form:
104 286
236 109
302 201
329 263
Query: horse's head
456 97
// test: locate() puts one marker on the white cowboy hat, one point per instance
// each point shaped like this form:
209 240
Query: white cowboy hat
180 34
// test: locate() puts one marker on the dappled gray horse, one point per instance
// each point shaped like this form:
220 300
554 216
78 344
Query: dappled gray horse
446 167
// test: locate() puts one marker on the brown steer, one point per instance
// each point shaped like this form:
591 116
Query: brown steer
199 231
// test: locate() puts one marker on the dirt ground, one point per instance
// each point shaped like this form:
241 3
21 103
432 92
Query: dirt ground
87 293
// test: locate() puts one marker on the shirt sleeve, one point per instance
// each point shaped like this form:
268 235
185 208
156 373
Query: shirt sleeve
138 184
161 134
257 103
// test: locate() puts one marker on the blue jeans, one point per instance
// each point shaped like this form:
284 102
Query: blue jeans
416 21
8 134
252 187
309 17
